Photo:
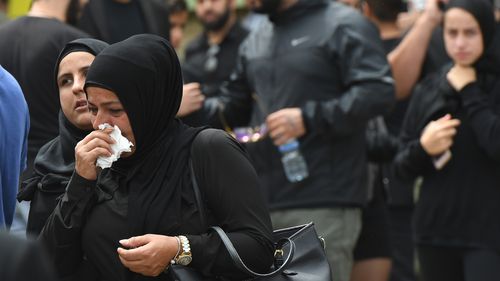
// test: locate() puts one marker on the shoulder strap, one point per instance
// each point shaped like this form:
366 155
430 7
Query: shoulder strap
241 265
197 194
227 242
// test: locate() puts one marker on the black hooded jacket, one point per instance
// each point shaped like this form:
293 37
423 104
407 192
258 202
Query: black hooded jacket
327 60
458 204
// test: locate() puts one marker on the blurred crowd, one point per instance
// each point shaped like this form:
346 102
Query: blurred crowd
395 106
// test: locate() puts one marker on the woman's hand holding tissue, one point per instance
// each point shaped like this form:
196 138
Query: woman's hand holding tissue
98 143
121 144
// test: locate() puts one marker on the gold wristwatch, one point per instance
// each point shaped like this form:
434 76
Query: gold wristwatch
184 257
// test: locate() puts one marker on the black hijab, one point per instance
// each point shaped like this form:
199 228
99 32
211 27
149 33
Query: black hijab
55 161
145 74
482 11
435 95
58 157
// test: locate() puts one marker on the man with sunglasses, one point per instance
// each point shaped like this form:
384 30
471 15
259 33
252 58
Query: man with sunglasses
211 56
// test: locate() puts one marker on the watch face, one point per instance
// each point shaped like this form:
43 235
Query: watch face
184 260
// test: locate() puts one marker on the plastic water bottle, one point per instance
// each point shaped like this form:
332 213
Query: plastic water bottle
294 163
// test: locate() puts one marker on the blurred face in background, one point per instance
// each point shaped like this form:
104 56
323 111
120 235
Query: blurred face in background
462 36
70 81
213 14
264 6
178 22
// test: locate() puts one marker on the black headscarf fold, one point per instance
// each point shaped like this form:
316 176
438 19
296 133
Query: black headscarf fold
145 74
88 45
55 161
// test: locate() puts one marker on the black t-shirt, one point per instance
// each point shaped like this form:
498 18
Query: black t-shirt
496 42
399 193
394 120
125 19
29 49
111 21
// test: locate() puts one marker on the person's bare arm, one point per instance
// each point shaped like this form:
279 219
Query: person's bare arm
407 58
192 99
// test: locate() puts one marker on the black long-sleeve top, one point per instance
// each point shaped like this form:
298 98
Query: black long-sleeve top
88 223
458 204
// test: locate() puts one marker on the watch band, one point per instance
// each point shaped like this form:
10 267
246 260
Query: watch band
184 256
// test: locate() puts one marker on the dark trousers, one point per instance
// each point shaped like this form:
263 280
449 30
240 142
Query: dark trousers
458 264
402 243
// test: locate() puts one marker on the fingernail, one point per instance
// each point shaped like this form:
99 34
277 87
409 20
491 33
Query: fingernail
123 241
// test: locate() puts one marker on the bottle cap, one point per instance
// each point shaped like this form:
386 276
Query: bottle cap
289 146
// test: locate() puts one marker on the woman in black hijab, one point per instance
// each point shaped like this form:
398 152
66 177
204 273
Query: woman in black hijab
144 205
458 154
55 161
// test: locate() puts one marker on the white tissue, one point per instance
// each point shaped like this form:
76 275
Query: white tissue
122 144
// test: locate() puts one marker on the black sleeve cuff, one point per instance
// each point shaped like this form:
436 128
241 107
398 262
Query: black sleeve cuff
419 155
80 187
308 111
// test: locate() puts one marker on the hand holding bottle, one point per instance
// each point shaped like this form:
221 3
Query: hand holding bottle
285 124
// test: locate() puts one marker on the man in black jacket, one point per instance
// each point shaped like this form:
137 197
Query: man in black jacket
316 72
